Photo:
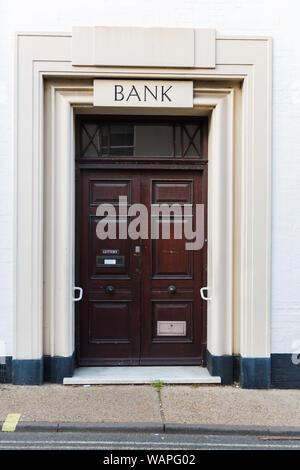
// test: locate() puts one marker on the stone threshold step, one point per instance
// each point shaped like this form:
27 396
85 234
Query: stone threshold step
141 375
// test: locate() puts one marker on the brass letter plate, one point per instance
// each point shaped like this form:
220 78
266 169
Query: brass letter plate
171 328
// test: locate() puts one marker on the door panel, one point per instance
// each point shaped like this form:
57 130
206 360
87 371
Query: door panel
128 314
110 322
109 312
172 276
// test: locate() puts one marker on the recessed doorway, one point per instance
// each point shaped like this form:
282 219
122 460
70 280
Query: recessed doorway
141 303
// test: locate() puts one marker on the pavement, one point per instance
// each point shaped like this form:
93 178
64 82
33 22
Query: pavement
195 409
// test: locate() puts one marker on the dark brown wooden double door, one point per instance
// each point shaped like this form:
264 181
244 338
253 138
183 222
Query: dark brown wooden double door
141 301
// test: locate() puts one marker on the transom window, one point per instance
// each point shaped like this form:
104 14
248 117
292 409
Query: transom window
137 138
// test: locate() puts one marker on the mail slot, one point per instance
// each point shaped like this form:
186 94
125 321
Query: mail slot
171 328
110 261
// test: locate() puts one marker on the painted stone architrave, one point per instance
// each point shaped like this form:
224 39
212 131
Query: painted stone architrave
239 312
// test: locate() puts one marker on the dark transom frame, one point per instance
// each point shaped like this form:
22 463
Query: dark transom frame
183 121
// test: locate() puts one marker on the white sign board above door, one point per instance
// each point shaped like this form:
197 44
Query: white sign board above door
143 93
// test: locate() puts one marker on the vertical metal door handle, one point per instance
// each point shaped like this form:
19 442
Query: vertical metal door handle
202 293
77 299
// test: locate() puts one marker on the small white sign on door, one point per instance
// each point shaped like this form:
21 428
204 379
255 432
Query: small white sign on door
143 93
110 261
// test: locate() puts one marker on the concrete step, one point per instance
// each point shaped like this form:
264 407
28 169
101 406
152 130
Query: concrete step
141 375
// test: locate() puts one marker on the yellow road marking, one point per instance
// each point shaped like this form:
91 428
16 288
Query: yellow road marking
11 422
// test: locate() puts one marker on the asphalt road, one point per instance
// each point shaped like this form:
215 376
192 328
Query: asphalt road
113 441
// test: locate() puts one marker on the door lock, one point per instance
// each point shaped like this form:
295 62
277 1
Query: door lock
172 290
110 289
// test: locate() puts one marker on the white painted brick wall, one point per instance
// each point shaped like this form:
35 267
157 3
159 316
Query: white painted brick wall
276 18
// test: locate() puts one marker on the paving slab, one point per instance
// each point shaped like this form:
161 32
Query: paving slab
230 405
137 404
56 403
